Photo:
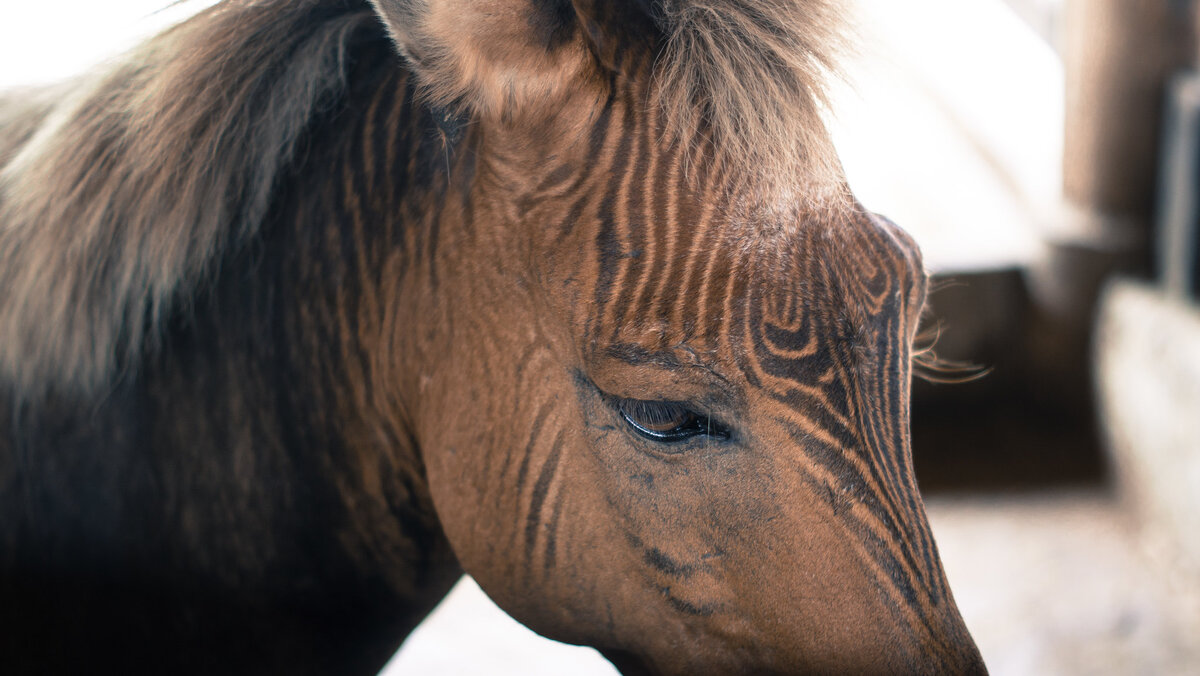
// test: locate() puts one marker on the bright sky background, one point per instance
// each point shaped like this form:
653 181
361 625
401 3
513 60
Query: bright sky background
46 41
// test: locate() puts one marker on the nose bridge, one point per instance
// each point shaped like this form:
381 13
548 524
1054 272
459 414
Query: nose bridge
821 337
896 538
874 530
833 363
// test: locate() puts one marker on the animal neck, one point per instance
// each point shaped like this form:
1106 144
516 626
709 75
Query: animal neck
277 411
345 284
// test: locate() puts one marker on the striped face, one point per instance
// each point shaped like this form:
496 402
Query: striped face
696 452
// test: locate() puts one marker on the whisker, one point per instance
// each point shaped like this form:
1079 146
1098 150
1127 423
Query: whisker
928 366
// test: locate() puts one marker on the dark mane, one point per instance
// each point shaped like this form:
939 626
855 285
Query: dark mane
117 190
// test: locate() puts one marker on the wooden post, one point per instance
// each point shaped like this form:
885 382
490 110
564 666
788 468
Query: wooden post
1178 215
1118 55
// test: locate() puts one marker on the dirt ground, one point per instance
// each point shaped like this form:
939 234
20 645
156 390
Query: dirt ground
1049 583
1068 584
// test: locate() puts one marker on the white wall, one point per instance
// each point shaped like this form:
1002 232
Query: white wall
47 41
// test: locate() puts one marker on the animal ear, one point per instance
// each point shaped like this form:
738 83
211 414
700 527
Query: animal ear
491 56
615 30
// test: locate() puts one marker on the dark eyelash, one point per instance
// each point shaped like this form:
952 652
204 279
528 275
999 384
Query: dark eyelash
668 421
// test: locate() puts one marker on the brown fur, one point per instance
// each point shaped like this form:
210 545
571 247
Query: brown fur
479 57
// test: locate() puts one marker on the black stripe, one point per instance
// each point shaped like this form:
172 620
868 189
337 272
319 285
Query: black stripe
534 432
533 520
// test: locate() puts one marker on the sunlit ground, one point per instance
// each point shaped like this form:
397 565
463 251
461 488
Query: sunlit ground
952 128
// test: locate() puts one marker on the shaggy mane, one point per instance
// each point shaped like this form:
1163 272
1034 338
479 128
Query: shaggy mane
118 189
751 74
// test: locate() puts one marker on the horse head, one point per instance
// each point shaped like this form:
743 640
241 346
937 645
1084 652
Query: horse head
588 309
662 391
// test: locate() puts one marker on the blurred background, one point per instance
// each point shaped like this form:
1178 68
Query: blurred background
1045 155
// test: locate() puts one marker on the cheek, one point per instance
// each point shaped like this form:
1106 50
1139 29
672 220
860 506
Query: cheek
680 515
510 476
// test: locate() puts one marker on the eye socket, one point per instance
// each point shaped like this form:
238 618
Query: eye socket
668 421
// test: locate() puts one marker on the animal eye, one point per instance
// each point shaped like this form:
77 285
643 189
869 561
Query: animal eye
668 421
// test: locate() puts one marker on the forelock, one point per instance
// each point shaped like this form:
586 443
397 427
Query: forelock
746 79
